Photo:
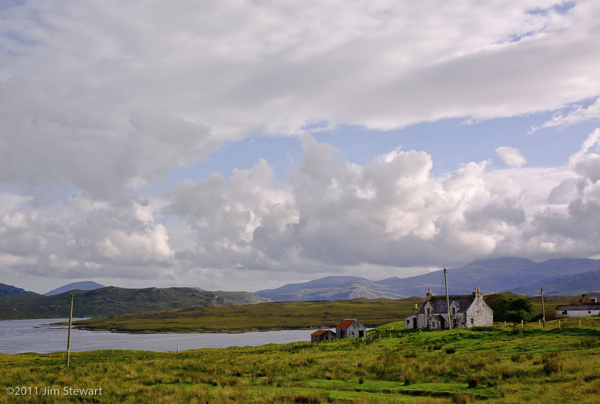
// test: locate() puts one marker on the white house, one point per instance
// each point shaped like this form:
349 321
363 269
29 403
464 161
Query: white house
585 307
465 311
350 328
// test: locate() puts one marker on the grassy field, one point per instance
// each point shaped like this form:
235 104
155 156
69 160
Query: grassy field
271 316
495 365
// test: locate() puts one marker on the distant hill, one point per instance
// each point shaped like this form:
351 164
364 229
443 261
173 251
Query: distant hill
299 291
242 298
107 301
565 285
8 290
87 285
490 275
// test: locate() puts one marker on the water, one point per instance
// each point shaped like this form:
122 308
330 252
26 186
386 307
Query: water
19 336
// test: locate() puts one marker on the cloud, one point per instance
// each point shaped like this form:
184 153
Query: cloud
331 216
391 212
107 97
575 116
100 101
281 66
511 156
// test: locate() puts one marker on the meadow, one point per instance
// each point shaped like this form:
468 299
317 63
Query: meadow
494 365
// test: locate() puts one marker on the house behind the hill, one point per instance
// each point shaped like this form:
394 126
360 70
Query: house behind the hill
584 307
465 311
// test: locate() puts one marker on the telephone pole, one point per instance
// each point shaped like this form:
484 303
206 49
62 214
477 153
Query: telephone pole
69 337
447 300
543 309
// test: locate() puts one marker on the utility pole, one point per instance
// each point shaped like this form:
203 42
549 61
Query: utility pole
543 309
447 299
69 337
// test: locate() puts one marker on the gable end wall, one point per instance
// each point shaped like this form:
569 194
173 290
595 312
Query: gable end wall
481 313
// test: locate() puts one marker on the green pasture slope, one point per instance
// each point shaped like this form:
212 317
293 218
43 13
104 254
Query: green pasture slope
493 365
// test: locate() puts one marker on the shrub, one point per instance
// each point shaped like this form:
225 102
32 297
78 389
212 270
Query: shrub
551 363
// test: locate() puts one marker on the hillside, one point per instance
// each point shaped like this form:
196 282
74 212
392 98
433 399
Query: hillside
274 316
566 285
268 316
242 298
87 285
490 275
9 290
107 301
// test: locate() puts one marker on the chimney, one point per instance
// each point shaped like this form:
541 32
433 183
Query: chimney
477 294
429 294
416 309
583 297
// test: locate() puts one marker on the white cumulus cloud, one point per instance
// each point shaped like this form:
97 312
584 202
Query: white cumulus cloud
511 156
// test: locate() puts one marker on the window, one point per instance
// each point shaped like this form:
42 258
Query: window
453 311
589 312
472 321
428 311
407 321
433 324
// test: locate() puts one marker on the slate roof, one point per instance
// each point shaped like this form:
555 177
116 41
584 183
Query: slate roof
580 307
346 323
438 303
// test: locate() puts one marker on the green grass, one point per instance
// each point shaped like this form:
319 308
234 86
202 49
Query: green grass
493 365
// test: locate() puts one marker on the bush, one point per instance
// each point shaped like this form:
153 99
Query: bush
551 363
515 316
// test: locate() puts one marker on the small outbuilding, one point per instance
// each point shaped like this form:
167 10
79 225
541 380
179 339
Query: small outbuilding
350 328
322 335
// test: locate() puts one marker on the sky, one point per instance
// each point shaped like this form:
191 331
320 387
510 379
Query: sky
244 145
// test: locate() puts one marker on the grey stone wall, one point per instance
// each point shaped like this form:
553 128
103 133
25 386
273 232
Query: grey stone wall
480 314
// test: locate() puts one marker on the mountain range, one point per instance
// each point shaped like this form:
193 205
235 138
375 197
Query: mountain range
110 301
519 275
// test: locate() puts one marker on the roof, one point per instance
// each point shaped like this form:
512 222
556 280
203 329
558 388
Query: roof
580 307
346 323
438 303
321 332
